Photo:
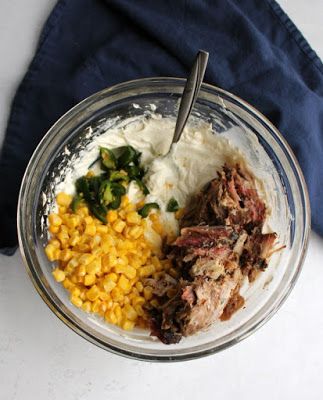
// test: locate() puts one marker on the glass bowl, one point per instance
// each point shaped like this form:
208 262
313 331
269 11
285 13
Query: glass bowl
268 155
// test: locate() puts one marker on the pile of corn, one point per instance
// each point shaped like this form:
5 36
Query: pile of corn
104 266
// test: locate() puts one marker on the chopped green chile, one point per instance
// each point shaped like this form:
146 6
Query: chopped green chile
106 195
145 210
108 159
142 186
172 205
99 212
116 176
77 199
103 192
117 189
134 171
127 155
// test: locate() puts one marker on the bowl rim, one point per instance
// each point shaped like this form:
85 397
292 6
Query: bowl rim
201 353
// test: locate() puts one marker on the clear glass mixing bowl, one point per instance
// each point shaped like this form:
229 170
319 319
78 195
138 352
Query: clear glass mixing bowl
267 153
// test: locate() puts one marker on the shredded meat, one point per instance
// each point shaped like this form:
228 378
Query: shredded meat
220 243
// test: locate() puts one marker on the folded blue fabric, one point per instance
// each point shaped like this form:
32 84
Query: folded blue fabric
255 51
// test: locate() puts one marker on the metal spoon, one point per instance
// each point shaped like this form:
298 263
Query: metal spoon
190 92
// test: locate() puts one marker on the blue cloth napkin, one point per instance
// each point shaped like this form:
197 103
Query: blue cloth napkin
255 51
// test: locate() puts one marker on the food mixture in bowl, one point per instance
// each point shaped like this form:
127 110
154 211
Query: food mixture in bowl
157 240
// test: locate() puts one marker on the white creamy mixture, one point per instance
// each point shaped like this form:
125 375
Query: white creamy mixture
190 164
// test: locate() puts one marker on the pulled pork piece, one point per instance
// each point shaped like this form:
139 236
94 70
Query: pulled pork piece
220 244
230 199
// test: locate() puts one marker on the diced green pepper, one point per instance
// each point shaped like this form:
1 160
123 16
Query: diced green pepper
127 155
77 199
119 176
172 205
108 159
142 186
145 210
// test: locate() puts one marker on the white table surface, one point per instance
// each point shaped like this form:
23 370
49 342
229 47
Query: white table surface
40 358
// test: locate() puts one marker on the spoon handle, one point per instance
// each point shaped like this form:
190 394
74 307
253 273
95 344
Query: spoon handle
190 93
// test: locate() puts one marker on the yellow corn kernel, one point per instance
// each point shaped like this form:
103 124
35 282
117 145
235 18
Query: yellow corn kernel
112 276
62 210
67 284
86 259
126 300
94 267
127 270
119 225
75 292
130 207
118 313
102 229
111 317
81 270
74 239
63 199
140 204
124 201
82 211
130 312
83 248
138 300
154 217
93 293
65 255
139 310
73 263
83 294
103 308
108 285
59 275
179 213
154 303
88 220
104 296
63 238
89 279
73 221
55 220
148 292
124 284
90 229
64 228
117 294
96 306
76 301
156 262
109 261
112 216
128 325
53 229
95 241
135 232
56 243
158 227
86 306
158 275
74 278
146 271
139 287
51 252
133 217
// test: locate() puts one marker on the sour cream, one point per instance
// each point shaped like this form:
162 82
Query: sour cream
177 171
